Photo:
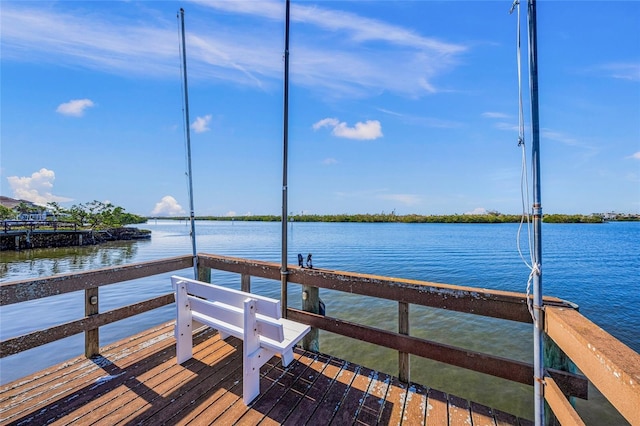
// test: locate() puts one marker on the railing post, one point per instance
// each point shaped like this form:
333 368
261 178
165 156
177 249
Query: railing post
91 337
555 358
245 283
404 367
204 274
311 303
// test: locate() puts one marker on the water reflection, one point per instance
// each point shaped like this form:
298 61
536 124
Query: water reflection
16 265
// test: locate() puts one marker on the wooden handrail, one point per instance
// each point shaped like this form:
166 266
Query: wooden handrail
610 365
25 290
491 303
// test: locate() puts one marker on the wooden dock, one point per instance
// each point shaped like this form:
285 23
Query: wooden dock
137 381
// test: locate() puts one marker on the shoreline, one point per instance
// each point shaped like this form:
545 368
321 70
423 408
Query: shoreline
413 218
27 239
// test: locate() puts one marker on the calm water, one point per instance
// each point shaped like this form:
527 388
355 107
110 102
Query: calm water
595 266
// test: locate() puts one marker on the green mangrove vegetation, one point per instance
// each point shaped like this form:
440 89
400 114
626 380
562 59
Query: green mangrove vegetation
490 217
94 215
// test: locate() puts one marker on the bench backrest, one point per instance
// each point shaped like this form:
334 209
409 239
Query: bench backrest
227 305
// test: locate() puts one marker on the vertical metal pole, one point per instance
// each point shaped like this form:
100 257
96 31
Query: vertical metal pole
188 133
538 342
283 270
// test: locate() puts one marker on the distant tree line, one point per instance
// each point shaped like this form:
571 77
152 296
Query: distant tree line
94 215
490 217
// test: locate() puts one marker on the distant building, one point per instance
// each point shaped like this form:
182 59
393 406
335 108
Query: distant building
37 212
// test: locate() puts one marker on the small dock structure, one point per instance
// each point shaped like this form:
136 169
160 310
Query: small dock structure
138 380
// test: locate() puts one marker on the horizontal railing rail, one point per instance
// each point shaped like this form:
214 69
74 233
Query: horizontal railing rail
25 290
32 225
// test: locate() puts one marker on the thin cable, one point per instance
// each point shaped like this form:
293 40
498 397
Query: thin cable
524 182
184 123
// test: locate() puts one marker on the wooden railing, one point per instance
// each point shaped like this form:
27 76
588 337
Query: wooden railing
610 365
89 282
32 225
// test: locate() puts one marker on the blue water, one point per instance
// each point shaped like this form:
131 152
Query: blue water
595 266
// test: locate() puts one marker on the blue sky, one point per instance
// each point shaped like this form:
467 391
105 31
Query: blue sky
405 106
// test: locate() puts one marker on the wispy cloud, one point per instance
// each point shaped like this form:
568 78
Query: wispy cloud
357 27
490 114
327 57
167 206
35 188
624 71
559 137
406 199
75 107
329 161
386 111
201 124
368 130
635 156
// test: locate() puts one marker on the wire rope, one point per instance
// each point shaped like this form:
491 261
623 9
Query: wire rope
524 181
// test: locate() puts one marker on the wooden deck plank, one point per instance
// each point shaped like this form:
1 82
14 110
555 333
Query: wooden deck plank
275 403
353 399
137 381
296 392
270 374
415 407
372 405
437 408
459 413
330 403
505 419
322 373
481 415
393 406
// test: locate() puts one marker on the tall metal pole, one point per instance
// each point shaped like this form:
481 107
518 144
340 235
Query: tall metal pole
538 314
188 133
283 270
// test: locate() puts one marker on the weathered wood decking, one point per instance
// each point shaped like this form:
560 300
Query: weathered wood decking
137 381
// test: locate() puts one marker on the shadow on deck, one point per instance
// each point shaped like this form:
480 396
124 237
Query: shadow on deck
137 381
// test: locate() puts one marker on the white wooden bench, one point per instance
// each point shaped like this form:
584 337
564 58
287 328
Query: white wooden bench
257 320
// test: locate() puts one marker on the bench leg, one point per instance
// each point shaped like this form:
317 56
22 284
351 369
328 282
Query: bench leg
250 351
183 330
287 357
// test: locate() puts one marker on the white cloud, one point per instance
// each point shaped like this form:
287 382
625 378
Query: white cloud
478 211
201 124
329 161
168 206
75 107
231 213
635 156
36 188
369 130
326 122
